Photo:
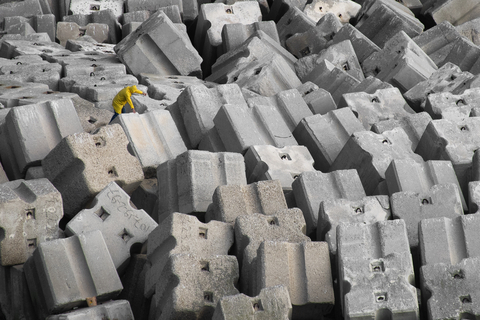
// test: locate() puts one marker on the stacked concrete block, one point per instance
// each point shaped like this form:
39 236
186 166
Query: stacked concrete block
87 43
107 16
31 132
363 46
154 138
90 117
312 188
370 85
12 48
231 201
414 125
465 55
190 180
71 30
319 100
119 310
174 53
449 11
343 211
42 23
25 8
315 39
78 7
81 165
86 272
376 271
371 153
292 22
29 215
10 91
121 225
450 106
469 30
15 301
140 11
253 229
384 104
271 303
47 73
84 63
302 267
343 9
235 34
326 135
194 285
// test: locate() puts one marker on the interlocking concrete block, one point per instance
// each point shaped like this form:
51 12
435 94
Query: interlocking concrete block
231 201
15 89
450 11
384 104
145 197
315 39
89 7
370 85
376 270
470 30
312 188
292 22
465 55
326 135
121 225
319 100
338 211
371 153
119 310
153 137
302 267
190 180
271 303
107 16
87 43
21 8
235 34
29 215
343 9
253 229
90 117
414 125
71 30
42 23
199 105
451 289
15 301
81 165
176 10
48 74
194 285
31 132
12 48
84 63
363 46
445 105
181 233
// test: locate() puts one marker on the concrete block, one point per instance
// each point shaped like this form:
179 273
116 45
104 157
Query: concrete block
31 132
253 229
339 211
12 48
413 124
445 105
20 8
87 43
384 104
153 137
319 100
231 201
71 30
272 303
199 105
90 117
379 255
414 5
122 226
29 215
464 54
450 11
312 188
371 153
140 10
15 301
344 10
174 53
42 23
448 240
304 268
448 78
180 233
469 30
82 164
363 46
89 7
451 289
15 89
315 39
87 271
119 310
292 22
145 197
212 142
190 180
235 34
48 74
326 135
370 85
133 281
194 285
279 8
3 175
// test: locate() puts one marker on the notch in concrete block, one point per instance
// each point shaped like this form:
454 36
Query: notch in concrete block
446 105
344 10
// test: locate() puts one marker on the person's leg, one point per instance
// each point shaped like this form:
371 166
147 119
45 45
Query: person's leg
114 116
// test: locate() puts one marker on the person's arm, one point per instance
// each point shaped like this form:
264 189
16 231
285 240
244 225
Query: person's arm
130 103
141 92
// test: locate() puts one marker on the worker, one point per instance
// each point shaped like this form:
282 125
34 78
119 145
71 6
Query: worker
122 98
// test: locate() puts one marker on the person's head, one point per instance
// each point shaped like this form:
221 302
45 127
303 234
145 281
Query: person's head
132 89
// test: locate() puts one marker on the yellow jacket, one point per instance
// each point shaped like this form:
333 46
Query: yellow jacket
123 97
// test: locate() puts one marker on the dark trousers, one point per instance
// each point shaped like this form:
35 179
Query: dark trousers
116 114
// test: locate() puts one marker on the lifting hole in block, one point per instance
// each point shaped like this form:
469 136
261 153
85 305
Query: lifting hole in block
345 66
458 275
294 175
272 221
99 142
466 299
202 233
461 102
426 201
320 9
257 71
376 99
235 78
112 172
289 21
95 7
125 235
308 91
92 120
463 128
358 210
385 141
453 77
257 306
285 156
377 266
31 245
12 87
208 296
305 51
102 214
205 266
381 297
229 10
30 213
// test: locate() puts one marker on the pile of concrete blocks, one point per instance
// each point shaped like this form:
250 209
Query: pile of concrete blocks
291 159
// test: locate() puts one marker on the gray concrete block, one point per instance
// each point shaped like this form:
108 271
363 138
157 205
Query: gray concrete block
312 188
326 135
20 8
344 10
334 212
122 225
469 30
133 281
292 22
90 117
445 105
253 229
363 46
15 89
212 142
12 48
140 10
153 137
371 153
450 11
194 285
48 74
83 63
283 164
304 268
473 196
180 233
81 165
145 197
235 34
465 55
199 105
190 180
29 215
89 7
31 132
135 14
174 53
384 104
231 201
378 254
71 30
278 8
370 85
319 100
271 303
42 23
3 175
87 43
15 301
414 125
87 271
119 310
